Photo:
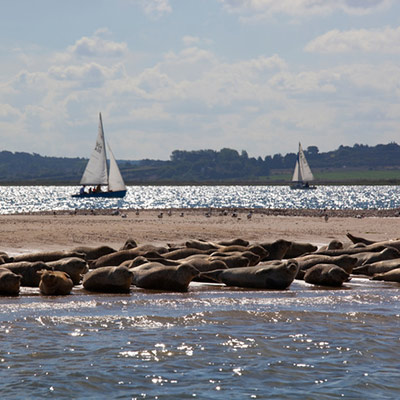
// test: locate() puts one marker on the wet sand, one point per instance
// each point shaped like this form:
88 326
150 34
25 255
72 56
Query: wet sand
65 230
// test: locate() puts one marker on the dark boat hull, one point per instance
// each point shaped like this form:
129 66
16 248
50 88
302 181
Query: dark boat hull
302 186
109 195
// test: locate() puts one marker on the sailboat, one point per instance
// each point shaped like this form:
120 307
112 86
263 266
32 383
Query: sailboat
302 174
96 173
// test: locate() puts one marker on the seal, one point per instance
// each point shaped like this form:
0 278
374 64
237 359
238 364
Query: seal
254 259
129 244
201 245
205 264
157 276
28 271
115 259
9 282
232 261
378 267
255 249
56 283
5 257
389 253
276 250
389 276
334 244
357 239
234 242
92 253
306 262
326 275
271 276
297 249
47 256
185 252
75 267
108 280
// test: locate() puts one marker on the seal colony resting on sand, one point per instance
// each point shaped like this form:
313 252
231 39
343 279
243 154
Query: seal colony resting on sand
266 265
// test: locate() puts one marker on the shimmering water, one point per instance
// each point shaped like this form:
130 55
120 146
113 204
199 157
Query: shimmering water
15 199
210 343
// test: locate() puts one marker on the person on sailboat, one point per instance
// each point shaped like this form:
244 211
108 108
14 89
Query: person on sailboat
82 191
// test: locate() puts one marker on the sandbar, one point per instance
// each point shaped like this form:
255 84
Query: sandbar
63 230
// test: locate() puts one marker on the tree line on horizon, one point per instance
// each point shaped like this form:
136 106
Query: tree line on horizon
225 165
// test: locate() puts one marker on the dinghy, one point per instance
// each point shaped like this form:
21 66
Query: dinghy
302 175
97 175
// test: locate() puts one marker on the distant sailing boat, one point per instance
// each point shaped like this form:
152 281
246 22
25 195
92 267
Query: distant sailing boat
96 173
302 174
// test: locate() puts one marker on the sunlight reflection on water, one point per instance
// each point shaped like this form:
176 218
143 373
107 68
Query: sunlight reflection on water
18 199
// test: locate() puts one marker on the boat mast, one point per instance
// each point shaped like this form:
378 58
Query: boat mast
101 130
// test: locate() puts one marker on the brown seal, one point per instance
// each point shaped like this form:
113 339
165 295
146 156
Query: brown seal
129 244
389 276
117 258
92 253
157 276
28 271
46 256
357 239
389 253
232 261
9 282
55 283
306 262
269 276
185 252
234 242
297 249
276 250
108 279
75 267
378 267
201 245
326 275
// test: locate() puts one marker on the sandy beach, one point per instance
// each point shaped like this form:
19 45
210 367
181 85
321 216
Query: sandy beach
65 230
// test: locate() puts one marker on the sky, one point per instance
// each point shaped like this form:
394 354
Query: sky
253 75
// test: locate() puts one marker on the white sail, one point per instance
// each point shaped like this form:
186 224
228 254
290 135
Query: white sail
115 180
296 177
96 169
302 171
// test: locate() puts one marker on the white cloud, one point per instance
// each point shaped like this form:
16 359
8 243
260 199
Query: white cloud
90 72
386 41
155 8
96 46
190 40
9 113
262 8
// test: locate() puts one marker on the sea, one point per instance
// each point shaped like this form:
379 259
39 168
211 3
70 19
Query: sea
22 199
212 342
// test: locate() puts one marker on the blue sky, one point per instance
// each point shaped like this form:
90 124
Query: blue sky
254 75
